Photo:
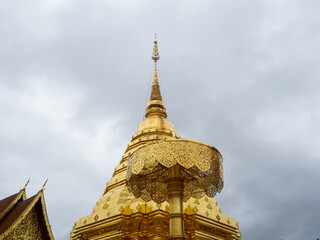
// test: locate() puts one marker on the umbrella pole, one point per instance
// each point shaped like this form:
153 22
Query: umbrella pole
175 194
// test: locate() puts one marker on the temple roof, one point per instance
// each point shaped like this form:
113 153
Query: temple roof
15 208
8 203
14 214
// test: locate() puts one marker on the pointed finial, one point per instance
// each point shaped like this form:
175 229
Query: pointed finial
155 53
26 184
44 185
155 106
155 91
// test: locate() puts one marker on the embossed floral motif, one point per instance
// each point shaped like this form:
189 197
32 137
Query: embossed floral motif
147 171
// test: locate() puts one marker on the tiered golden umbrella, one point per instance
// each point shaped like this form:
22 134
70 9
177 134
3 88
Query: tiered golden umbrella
174 171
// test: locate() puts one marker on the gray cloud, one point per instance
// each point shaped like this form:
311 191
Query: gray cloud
241 76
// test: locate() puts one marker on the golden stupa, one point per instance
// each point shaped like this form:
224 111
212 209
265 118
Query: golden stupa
118 214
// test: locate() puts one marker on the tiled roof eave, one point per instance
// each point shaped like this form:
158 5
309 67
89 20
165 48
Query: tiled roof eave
21 194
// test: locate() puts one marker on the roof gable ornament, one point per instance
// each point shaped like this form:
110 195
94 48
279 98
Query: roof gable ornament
44 185
26 184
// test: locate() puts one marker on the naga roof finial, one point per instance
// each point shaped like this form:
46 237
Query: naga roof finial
26 184
44 185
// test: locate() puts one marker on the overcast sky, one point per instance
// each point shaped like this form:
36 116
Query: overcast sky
242 76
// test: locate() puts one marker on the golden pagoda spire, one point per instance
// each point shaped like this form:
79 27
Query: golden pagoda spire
118 213
155 91
155 106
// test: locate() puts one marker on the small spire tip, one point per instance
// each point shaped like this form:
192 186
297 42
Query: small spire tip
155 52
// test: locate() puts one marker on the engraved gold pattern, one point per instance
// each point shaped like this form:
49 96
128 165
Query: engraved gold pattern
147 170
28 229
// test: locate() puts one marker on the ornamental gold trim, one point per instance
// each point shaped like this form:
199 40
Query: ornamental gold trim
147 171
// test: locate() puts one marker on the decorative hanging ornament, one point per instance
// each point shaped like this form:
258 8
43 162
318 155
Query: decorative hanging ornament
149 169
